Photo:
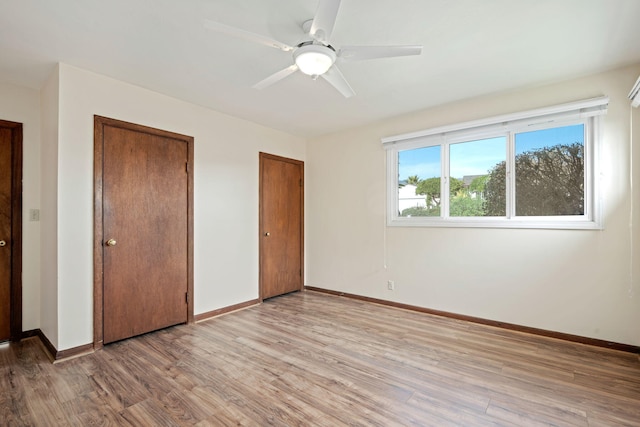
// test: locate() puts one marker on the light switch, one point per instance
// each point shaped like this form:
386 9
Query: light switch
34 214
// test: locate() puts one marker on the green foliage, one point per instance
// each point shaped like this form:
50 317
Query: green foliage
478 185
413 180
464 205
495 191
431 189
549 181
420 211
455 185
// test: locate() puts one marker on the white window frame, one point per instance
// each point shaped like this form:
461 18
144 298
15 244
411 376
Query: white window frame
587 112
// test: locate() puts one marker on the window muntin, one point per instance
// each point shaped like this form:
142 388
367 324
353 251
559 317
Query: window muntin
548 129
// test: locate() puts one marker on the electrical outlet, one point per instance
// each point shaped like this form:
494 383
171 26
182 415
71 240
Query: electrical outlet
391 285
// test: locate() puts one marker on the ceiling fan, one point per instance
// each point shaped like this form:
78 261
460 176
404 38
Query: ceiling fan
315 56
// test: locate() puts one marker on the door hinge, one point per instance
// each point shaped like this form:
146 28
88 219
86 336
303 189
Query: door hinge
300 182
186 297
186 167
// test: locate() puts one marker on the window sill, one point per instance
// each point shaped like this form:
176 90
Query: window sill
529 223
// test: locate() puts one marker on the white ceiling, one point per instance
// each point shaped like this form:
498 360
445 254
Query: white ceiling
471 47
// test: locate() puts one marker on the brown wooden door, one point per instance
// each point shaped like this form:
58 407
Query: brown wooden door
10 230
281 225
5 234
145 238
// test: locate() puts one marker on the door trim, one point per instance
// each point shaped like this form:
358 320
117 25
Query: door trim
261 249
98 231
16 229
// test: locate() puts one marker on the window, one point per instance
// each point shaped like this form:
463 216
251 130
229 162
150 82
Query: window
533 169
470 164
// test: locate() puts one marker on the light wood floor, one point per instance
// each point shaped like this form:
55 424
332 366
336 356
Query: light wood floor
320 360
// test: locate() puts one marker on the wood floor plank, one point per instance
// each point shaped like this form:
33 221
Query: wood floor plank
92 409
148 412
517 409
311 359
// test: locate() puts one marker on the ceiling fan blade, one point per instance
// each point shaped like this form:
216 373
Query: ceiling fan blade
276 77
325 19
362 53
246 35
337 80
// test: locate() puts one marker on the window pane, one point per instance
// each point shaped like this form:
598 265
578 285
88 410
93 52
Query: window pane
477 185
550 172
419 182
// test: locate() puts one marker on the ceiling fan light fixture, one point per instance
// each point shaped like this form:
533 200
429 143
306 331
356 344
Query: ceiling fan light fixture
314 59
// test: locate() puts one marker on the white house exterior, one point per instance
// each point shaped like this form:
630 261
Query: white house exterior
407 198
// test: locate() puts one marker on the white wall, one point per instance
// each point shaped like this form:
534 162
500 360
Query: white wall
19 104
50 99
225 199
579 282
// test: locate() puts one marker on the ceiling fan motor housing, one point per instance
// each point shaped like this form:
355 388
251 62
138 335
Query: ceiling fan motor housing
313 58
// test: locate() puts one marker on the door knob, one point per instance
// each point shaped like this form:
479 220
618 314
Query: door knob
267 234
3 243
111 242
